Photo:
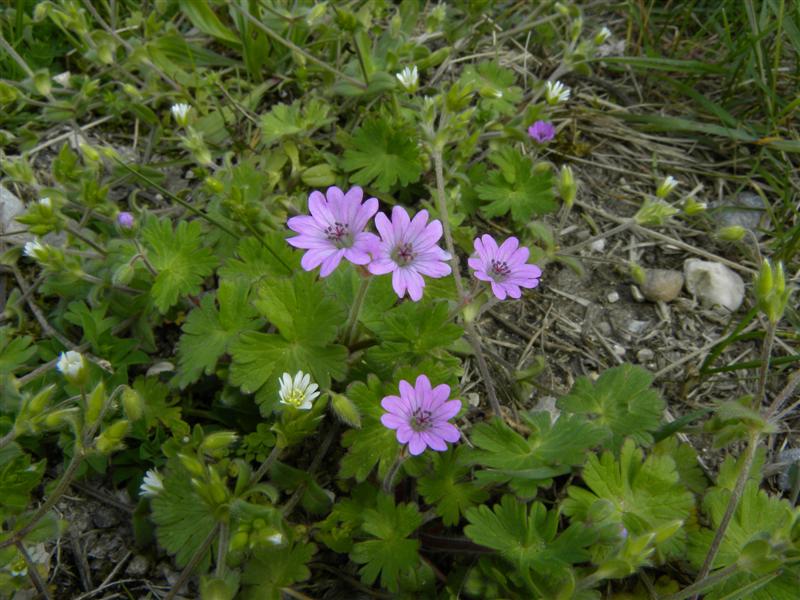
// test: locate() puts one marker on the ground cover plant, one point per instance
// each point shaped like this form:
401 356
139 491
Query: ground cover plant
457 300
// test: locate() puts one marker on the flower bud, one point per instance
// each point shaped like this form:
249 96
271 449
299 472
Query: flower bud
666 186
409 78
111 438
214 184
73 365
637 273
217 441
89 153
732 233
692 207
125 220
95 403
41 81
59 418
194 143
771 293
567 187
39 402
123 275
191 464
132 91
601 37
180 112
132 404
346 410
654 213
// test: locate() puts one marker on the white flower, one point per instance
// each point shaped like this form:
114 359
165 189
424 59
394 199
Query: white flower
276 539
62 79
666 186
71 364
409 78
34 250
556 92
152 484
602 36
46 202
299 392
180 112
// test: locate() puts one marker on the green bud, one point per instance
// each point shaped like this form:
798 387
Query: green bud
214 184
95 403
654 213
191 464
39 402
73 365
239 541
123 275
42 83
41 11
132 404
771 293
346 20
637 274
666 186
111 438
692 207
59 418
89 153
8 93
194 143
132 91
567 188
217 441
732 233
105 52
347 412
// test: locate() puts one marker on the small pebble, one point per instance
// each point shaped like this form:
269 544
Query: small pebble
598 245
714 283
637 326
645 355
618 350
613 297
637 294
138 566
662 285
604 327
746 210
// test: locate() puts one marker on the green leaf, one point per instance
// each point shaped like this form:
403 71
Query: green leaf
179 259
390 552
552 449
759 516
183 519
300 309
18 477
272 569
495 84
256 260
445 487
202 17
209 331
642 494
15 350
380 155
157 408
516 188
373 444
259 359
621 400
528 538
289 120
307 321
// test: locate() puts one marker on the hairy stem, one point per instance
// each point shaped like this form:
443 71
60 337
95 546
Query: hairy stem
355 309
195 560
33 574
222 549
705 583
265 466
472 334
388 481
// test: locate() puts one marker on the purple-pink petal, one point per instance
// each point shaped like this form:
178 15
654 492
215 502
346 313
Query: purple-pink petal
416 445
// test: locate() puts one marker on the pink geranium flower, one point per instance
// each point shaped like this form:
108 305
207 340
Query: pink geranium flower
408 251
334 230
505 267
420 415
542 131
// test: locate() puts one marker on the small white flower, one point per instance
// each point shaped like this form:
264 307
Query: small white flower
556 92
34 250
666 186
152 484
299 392
409 78
71 364
276 539
62 79
46 202
601 37
180 112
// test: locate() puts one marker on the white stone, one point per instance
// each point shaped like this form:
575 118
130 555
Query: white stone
613 297
713 283
618 350
598 245
10 208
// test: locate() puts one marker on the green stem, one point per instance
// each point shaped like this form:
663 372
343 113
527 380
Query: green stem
352 319
265 466
388 481
33 574
222 549
195 560
706 582
361 62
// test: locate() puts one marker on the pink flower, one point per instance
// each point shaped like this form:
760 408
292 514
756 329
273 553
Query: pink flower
542 131
334 230
125 220
504 267
420 415
408 250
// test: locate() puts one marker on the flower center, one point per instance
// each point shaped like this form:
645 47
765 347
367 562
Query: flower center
339 234
499 270
295 397
403 254
421 420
